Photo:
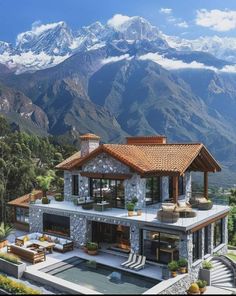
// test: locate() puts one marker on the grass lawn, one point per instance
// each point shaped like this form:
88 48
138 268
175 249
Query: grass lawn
232 256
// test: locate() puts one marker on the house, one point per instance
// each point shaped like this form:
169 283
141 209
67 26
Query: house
100 179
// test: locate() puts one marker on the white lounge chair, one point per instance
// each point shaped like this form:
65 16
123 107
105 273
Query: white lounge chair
141 265
134 261
139 260
130 258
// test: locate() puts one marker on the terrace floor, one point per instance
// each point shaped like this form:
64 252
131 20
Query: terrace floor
148 216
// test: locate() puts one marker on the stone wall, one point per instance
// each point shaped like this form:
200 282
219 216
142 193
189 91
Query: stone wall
165 188
103 163
135 187
188 184
67 185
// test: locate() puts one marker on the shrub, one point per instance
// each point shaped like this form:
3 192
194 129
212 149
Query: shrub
130 206
5 231
207 265
173 266
10 258
182 262
58 197
14 287
91 246
194 288
45 200
201 283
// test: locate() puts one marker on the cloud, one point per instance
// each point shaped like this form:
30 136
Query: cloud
173 64
117 20
217 20
116 59
183 24
165 10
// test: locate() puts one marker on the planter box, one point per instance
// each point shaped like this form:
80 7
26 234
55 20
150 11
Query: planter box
12 269
205 274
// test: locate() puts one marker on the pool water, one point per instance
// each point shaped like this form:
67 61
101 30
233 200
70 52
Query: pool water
97 277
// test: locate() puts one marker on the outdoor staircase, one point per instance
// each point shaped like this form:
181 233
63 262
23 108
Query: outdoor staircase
223 273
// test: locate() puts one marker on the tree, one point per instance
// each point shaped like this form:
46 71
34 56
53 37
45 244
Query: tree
44 182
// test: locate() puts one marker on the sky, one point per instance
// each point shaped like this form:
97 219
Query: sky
185 18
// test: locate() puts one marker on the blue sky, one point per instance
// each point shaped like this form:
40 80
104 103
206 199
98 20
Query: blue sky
186 18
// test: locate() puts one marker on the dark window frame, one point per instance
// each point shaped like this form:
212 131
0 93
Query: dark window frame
154 195
75 185
218 223
114 198
197 245
207 233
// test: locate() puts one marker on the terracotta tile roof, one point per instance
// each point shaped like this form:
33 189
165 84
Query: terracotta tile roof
68 161
23 201
147 159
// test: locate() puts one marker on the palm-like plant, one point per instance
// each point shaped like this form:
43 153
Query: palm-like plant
44 182
5 231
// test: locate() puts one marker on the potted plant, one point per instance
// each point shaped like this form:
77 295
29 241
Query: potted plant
130 208
45 200
5 231
205 272
183 264
139 211
202 286
44 182
173 267
92 248
193 289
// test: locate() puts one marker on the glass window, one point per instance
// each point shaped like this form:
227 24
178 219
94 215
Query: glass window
218 236
111 191
22 215
181 190
75 185
207 234
196 245
153 190
181 185
159 246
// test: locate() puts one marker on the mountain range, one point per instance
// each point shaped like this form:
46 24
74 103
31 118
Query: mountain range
122 79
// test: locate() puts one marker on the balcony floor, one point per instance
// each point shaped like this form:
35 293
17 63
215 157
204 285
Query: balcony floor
148 214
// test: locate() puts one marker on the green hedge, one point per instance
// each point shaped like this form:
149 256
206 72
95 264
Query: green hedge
10 258
15 287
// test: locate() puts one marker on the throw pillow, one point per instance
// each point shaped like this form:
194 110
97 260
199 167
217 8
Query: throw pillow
168 208
57 241
182 204
25 238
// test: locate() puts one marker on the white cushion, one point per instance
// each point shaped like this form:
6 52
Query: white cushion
58 246
168 207
182 203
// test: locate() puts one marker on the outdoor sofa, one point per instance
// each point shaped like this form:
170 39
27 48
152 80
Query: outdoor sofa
61 244
33 256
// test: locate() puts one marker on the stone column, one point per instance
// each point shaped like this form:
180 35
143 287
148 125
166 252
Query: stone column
35 219
186 247
211 238
83 186
67 185
135 187
188 184
225 230
135 238
164 188
78 229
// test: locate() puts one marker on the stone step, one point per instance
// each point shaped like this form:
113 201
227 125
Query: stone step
225 285
223 280
220 270
221 275
217 263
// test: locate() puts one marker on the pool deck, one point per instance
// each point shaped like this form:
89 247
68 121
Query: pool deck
33 271
149 214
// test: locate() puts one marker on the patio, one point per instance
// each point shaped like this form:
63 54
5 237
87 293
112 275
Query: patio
149 214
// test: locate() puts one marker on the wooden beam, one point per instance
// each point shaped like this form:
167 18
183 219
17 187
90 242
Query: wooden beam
175 185
206 185
208 222
106 175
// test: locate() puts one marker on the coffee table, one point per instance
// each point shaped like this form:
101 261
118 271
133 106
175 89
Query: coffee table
47 246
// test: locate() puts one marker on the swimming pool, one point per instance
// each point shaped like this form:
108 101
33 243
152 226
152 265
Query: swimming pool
99 277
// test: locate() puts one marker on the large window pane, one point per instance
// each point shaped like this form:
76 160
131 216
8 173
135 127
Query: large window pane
152 190
218 236
160 247
111 191
196 245
75 185
22 215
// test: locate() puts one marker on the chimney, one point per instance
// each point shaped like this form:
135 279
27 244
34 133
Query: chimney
89 142
146 140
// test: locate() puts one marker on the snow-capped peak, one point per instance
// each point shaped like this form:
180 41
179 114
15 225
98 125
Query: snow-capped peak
54 38
133 28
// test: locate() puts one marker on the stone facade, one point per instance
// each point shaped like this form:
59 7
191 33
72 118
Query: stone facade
103 163
188 184
165 188
135 187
